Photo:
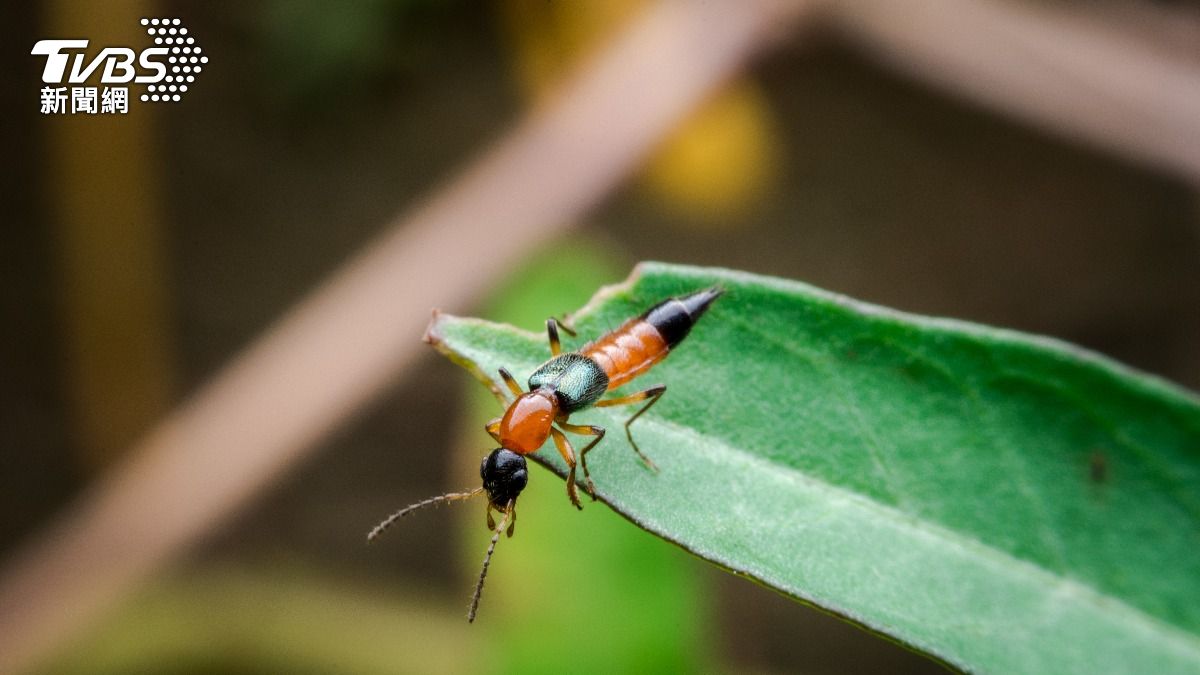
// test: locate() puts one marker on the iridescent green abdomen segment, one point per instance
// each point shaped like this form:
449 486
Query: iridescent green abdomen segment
577 380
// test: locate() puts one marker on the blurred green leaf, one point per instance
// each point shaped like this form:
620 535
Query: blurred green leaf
322 52
271 620
576 592
1005 502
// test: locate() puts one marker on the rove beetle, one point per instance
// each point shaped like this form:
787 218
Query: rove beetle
567 383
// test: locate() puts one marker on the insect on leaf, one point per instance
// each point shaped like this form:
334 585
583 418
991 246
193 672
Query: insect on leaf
1004 502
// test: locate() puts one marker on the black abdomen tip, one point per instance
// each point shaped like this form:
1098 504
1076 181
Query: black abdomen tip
674 317
697 303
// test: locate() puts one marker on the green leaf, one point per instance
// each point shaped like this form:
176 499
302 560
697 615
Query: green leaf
1005 502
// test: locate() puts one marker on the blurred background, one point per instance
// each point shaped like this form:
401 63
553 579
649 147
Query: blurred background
143 252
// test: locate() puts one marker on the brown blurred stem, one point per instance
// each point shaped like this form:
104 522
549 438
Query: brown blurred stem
1122 76
353 334
112 283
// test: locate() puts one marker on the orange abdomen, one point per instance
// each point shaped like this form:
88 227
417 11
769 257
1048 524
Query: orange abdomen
628 351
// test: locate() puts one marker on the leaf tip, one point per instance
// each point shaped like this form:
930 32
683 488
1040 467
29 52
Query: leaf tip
433 332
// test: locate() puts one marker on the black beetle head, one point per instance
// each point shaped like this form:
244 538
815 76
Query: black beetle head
504 474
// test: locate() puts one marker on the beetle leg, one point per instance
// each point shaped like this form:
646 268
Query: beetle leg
493 429
568 455
653 393
585 430
511 381
562 323
552 335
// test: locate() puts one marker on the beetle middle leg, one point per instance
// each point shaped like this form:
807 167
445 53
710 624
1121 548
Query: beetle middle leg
653 394
552 326
568 455
585 430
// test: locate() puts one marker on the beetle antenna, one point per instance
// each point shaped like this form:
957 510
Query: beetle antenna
448 497
487 559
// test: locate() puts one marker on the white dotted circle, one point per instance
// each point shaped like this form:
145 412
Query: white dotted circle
175 98
183 87
145 97
176 22
154 97
190 78
203 59
154 21
145 22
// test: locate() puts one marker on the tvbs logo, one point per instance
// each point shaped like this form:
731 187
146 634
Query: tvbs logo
166 69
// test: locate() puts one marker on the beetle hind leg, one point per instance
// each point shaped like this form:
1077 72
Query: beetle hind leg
653 394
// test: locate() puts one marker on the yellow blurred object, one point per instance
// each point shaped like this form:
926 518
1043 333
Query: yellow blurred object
106 202
714 165
720 158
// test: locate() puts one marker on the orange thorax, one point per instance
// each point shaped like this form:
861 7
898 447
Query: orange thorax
526 423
